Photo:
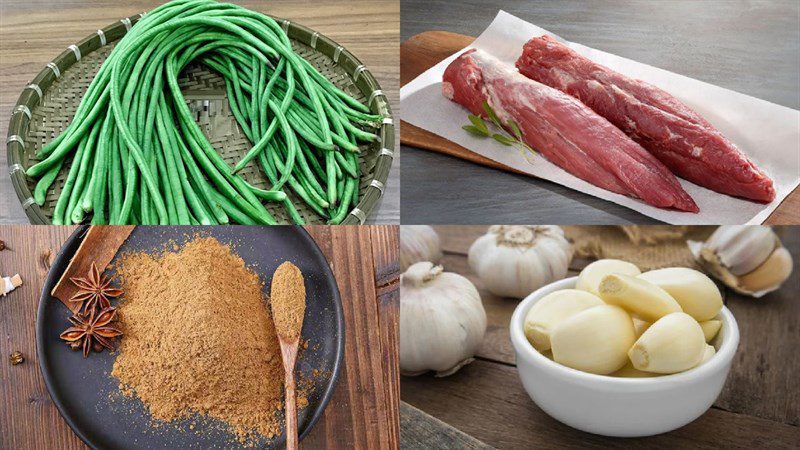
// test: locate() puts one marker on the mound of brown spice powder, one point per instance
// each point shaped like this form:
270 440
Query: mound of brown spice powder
199 338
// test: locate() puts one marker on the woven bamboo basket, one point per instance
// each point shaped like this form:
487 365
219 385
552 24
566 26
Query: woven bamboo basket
47 105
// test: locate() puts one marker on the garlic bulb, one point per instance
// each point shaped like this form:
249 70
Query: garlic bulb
748 258
418 243
742 248
442 320
770 274
513 261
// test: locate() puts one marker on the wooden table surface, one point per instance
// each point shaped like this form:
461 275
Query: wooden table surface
33 32
749 47
364 410
759 406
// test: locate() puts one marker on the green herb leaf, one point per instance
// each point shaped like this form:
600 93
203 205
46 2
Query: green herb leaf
515 129
527 152
472 129
480 128
505 140
491 114
479 123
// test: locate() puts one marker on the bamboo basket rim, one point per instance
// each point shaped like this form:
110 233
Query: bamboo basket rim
33 93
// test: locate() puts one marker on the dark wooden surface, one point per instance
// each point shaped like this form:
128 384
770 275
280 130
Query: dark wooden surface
749 47
758 407
421 430
34 32
364 410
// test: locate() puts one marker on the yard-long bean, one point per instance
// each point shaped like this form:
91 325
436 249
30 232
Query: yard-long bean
138 156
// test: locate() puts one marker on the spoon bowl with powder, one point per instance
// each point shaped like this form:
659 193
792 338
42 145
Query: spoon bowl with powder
288 303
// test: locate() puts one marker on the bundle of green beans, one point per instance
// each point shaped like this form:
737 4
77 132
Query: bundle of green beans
138 156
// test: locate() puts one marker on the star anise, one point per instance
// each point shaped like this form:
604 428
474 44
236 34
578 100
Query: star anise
92 332
95 290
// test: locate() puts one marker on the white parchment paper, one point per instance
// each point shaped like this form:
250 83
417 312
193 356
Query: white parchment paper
768 133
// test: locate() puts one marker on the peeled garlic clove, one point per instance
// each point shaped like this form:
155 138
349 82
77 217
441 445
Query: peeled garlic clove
551 310
640 326
769 275
693 290
595 340
628 371
710 329
648 301
591 275
707 354
672 344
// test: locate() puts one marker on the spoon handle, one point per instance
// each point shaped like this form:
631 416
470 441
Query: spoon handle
289 352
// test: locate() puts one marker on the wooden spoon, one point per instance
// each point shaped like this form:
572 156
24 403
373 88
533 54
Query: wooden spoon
288 303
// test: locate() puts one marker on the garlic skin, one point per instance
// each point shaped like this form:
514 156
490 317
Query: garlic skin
419 243
8 284
595 340
513 261
747 258
693 290
640 297
591 275
442 320
672 344
742 248
710 329
553 309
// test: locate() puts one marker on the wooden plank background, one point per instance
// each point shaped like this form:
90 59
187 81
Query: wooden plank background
749 47
34 32
364 410
759 405
420 430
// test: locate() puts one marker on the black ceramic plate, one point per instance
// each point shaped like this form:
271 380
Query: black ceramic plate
87 395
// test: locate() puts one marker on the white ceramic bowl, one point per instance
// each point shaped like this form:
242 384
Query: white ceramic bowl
623 407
